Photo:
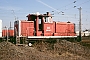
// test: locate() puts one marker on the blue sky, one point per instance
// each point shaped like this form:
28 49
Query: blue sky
9 9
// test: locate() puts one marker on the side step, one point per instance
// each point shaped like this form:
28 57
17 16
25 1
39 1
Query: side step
20 40
17 40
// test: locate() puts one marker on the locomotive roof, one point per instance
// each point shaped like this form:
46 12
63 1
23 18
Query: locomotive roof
40 15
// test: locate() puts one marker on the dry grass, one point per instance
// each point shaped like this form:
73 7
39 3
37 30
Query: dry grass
63 50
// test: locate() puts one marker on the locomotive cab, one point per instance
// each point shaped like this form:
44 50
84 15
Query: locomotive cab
39 22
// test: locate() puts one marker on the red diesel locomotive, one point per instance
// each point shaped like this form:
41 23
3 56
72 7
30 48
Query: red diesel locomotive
42 26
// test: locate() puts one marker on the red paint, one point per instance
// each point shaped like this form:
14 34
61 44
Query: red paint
48 28
39 33
65 29
55 34
54 26
10 33
26 28
48 34
61 27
